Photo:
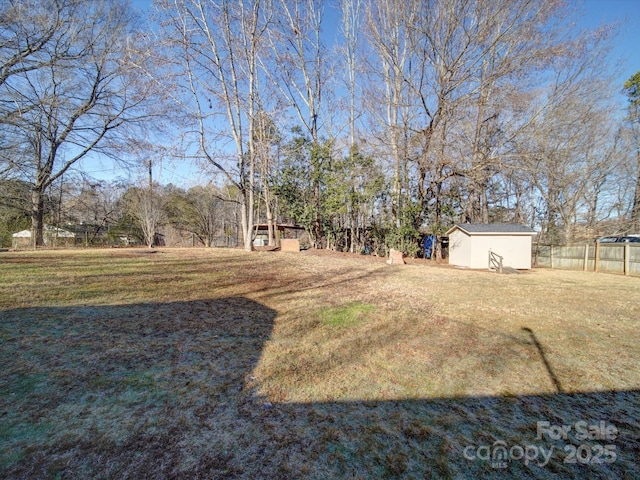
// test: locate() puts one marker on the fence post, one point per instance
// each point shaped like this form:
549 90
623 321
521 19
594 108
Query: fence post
586 257
551 255
597 257
627 255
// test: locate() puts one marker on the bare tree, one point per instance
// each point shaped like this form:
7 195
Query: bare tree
26 31
569 149
199 210
297 68
146 207
513 44
90 203
632 88
352 12
218 45
267 142
386 29
74 93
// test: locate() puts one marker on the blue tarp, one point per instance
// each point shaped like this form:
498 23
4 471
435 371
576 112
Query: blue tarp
428 243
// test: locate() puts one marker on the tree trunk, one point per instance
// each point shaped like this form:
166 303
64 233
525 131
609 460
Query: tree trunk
246 219
353 232
37 217
317 222
270 227
484 202
269 213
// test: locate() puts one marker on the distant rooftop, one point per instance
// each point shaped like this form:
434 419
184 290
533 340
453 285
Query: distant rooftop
493 228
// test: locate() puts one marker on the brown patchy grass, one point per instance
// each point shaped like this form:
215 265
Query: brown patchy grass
201 363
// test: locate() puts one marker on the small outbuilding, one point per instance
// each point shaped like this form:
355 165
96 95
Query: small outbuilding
53 236
471 245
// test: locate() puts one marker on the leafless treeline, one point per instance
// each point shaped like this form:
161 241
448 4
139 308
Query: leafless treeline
380 118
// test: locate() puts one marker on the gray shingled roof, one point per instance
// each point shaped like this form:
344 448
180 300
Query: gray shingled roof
493 228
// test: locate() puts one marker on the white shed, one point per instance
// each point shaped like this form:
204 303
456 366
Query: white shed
470 244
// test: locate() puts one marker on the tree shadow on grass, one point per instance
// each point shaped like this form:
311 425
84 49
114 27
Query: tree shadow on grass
164 390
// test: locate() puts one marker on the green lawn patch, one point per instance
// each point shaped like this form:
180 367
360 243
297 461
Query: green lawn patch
346 315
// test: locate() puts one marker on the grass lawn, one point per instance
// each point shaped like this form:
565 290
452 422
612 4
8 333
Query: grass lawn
214 363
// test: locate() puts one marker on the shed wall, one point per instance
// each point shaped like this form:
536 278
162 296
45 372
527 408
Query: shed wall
472 251
459 248
515 250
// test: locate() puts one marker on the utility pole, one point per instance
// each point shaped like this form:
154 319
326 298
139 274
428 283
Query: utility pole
150 177
150 202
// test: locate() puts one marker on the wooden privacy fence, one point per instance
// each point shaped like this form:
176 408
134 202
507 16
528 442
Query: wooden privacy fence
621 258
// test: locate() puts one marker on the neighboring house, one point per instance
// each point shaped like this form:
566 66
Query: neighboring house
53 236
470 244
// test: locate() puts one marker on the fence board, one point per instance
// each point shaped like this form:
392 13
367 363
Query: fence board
611 257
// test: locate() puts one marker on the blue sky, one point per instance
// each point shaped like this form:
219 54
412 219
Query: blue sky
596 13
626 52
627 45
